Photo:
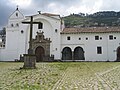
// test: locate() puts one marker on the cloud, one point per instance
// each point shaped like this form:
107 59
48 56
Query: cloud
53 6
62 7
111 5
21 3
4 12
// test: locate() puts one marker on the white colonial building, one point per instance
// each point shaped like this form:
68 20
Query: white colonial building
51 39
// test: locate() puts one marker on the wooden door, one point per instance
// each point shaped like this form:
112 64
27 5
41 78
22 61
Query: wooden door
40 53
118 54
67 54
79 54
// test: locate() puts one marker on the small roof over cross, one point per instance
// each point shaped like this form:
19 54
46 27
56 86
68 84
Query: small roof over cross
17 7
30 51
39 12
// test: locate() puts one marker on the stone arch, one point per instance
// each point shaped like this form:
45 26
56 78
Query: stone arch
66 53
79 53
40 53
43 44
118 53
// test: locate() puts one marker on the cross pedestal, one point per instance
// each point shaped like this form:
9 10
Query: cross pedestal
29 61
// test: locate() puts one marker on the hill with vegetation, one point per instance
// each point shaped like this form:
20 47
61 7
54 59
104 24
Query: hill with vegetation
100 19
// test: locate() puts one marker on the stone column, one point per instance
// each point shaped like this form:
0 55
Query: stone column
72 55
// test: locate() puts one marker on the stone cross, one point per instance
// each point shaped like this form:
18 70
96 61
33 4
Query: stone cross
30 58
30 51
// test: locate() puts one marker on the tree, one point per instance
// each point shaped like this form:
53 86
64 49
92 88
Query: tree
3 31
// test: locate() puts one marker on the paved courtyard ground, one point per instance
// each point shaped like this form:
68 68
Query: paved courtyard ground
61 76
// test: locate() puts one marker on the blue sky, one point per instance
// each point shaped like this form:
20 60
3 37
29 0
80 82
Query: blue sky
62 7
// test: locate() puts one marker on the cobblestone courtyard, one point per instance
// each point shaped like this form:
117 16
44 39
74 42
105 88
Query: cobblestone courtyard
61 76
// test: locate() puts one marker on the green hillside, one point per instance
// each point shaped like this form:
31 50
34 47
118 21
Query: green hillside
106 18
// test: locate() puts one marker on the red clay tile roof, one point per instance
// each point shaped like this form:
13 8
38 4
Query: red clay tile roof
90 30
46 14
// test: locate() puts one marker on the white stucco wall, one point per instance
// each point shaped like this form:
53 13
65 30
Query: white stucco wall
14 38
49 26
109 47
17 42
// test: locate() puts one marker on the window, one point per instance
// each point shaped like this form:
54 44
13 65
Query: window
17 25
96 37
12 25
40 25
110 37
16 14
79 38
22 31
100 38
56 49
86 38
55 30
68 38
114 37
3 45
99 50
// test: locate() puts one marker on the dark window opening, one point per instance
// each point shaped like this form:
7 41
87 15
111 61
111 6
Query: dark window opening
40 25
68 38
96 37
79 38
56 49
110 37
22 31
100 38
99 50
114 37
86 38
17 24
12 25
55 30
17 14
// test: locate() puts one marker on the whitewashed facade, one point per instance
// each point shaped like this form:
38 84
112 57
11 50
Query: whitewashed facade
81 46
89 44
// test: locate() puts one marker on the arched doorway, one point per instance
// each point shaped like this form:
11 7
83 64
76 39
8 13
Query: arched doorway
66 54
79 53
118 54
40 53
